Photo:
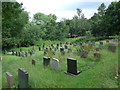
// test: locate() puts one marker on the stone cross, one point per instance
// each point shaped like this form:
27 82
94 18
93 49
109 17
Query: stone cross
10 81
55 64
22 78
72 66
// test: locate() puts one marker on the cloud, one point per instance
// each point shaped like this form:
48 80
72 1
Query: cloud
62 8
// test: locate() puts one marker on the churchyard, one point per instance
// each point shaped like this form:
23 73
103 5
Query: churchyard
91 64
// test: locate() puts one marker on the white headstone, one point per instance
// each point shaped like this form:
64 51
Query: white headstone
55 64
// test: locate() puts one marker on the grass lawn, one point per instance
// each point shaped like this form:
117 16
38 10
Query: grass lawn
96 73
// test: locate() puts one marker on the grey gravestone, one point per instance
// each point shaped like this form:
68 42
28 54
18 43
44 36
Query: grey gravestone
23 53
5 51
28 50
84 54
46 61
55 64
33 62
10 81
72 66
31 53
26 54
22 78
112 47
45 52
97 55
101 46
69 50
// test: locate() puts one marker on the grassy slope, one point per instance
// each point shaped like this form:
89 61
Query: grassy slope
101 74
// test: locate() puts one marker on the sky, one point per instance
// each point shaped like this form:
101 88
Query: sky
63 8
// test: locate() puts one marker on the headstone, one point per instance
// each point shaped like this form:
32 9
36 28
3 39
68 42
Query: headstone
101 46
58 45
45 52
46 61
81 43
69 50
97 49
33 52
84 54
20 50
72 66
28 50
26 54
22 78
39 49
67 43
66 47
107 41
23 53
18 54
112 47
12 52
70 43
61 49
10 81
33 62
97 55
55 64
5 51
101 43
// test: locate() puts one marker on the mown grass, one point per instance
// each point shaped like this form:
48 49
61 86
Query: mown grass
96 73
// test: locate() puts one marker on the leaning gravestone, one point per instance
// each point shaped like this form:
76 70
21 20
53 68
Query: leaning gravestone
97 55
72 67
55 64
46 61
33 62
22 78
112 47
84 54
10 81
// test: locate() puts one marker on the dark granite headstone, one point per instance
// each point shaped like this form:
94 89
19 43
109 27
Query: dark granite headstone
66 47
97 55
61 49
33 62
46 61
13 52
39 49
72 66
22 78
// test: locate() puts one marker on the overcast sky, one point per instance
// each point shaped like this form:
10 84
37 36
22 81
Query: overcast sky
63 8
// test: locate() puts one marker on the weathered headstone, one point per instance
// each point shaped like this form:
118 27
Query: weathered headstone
31 53
10 81
46 61
22 78
45 52
112 47
18 54
23 53
84 54
72 66
97 55
33 62
69 50
55 64
26 54
61 49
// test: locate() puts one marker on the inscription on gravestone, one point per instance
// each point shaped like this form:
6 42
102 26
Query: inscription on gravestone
22 78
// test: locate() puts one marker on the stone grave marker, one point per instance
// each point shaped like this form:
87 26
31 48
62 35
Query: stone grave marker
66 47
69 50
39 49
61 49
20 50
55 64
26 54
22 78
100 46
29 51
112 47
5 51
33 62
72 67
18 54
10 81
13 52
23 53
46 61
97 55
84 54
45 52
101 43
